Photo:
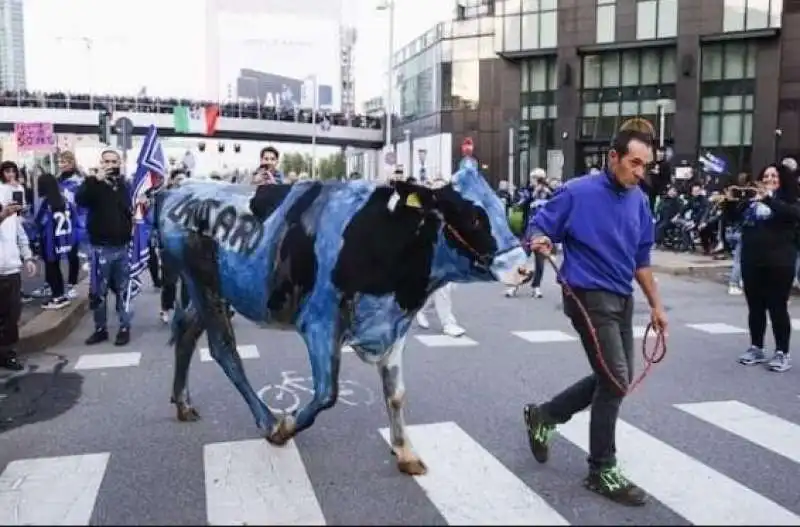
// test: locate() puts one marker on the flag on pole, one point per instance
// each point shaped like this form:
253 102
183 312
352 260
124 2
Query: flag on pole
200 120
151 167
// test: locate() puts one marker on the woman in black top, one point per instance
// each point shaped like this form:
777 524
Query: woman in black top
769 250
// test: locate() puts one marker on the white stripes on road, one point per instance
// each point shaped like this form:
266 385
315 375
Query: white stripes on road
697 492
717 328
469 486
97 361
445 341
543 336
763 429
51 491
247 351
254 483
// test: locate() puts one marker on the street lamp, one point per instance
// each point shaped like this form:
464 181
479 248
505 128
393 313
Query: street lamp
315 88
388 5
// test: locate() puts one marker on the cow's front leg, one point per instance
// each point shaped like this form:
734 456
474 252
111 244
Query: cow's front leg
390 368
187 327
325 353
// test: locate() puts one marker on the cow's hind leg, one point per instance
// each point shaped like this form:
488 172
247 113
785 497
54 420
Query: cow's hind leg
390 368
222 346
187 327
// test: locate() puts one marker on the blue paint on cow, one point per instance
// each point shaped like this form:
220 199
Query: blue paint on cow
233 246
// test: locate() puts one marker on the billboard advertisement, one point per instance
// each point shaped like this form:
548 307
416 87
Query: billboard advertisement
281 92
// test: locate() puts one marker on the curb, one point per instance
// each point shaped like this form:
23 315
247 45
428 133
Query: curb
49 328
692 270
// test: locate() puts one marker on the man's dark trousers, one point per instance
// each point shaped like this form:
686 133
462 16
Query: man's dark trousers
612 318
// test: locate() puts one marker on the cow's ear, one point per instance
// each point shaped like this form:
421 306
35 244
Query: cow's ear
410 196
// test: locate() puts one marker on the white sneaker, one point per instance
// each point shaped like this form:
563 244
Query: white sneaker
734 290
511 292
453 330
57 303
422 320
165 316
71 293
537 292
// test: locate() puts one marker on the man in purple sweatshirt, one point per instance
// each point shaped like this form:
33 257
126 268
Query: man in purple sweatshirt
604 224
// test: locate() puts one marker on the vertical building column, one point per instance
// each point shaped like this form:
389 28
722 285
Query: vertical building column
765 114
687 85
789 117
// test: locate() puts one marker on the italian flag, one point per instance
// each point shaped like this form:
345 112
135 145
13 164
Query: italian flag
201 120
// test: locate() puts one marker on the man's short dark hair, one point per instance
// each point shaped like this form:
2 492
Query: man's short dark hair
636 129
269 149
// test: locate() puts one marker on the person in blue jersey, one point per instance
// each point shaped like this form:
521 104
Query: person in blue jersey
70 179
54 220
605 226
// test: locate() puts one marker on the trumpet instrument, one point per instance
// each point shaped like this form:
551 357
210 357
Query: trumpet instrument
738 193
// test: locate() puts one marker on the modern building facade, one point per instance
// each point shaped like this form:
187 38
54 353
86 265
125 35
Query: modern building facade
12 45
721 72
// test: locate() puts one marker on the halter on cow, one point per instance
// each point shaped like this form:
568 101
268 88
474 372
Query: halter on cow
340 262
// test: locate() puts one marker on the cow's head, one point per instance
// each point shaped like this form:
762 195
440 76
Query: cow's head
475 242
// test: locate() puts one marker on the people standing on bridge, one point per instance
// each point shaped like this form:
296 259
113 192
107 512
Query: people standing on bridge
70 180
603 253
110 226
14 252
768 256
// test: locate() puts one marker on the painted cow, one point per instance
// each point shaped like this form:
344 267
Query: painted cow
339 262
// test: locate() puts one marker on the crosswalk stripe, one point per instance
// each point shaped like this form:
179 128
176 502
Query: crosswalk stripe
469 486
246 351
545 335
97 361
252 483
700 494
718 328
444 341
758 427
51 491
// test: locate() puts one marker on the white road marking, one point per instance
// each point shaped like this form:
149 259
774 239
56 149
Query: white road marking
52 490
445 341
348 349
718 328
246 351
97 361
763 429
469 486
697 492
544 336
252 483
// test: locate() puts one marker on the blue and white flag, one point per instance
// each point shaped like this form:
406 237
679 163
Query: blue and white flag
713 164
151 167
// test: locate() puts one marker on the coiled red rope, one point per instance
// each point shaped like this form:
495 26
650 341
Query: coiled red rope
652 355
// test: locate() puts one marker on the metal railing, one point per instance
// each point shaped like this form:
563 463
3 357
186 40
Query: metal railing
236 110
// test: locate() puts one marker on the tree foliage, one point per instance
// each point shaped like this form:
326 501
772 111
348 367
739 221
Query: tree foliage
331 167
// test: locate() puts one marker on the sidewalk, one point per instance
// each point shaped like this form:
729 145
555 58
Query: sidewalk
40 329
689 264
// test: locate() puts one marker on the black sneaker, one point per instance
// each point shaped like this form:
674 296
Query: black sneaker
123 337
9 361
612 484
99 335
539 433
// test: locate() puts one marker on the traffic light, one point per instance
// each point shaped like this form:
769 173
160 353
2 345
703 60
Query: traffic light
201 146
523 138
237 147
221 147
104 127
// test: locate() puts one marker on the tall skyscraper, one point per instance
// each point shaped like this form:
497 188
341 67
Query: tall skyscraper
12 45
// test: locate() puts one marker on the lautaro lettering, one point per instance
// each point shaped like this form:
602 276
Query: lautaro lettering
233 229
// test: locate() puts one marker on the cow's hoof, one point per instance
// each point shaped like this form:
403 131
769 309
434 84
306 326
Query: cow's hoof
412 467
282 432
187 414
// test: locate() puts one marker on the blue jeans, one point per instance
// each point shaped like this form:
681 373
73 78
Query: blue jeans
110 270
735 239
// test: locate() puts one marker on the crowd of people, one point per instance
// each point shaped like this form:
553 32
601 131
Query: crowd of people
145 104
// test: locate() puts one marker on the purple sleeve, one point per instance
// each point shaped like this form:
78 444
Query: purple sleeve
551 218
646 236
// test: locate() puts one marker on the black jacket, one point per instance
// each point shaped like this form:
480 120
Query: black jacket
772 242
110 217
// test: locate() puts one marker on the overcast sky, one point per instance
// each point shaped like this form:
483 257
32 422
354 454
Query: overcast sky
161 44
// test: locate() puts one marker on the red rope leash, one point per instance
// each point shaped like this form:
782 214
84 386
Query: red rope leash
652 355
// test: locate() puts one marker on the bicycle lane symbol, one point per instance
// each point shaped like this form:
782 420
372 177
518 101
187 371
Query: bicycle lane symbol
286 396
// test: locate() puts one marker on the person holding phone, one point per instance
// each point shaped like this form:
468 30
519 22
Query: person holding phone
15 252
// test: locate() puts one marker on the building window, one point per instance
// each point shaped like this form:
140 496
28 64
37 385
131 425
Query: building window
747 15
656 19
539 83
606 21
527 25
727 94
619 85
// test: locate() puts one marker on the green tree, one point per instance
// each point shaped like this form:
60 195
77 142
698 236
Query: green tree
332 167
295 162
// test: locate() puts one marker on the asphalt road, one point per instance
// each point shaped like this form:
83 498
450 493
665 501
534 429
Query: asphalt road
95 439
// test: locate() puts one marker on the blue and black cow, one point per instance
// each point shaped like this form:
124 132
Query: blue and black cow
339 262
